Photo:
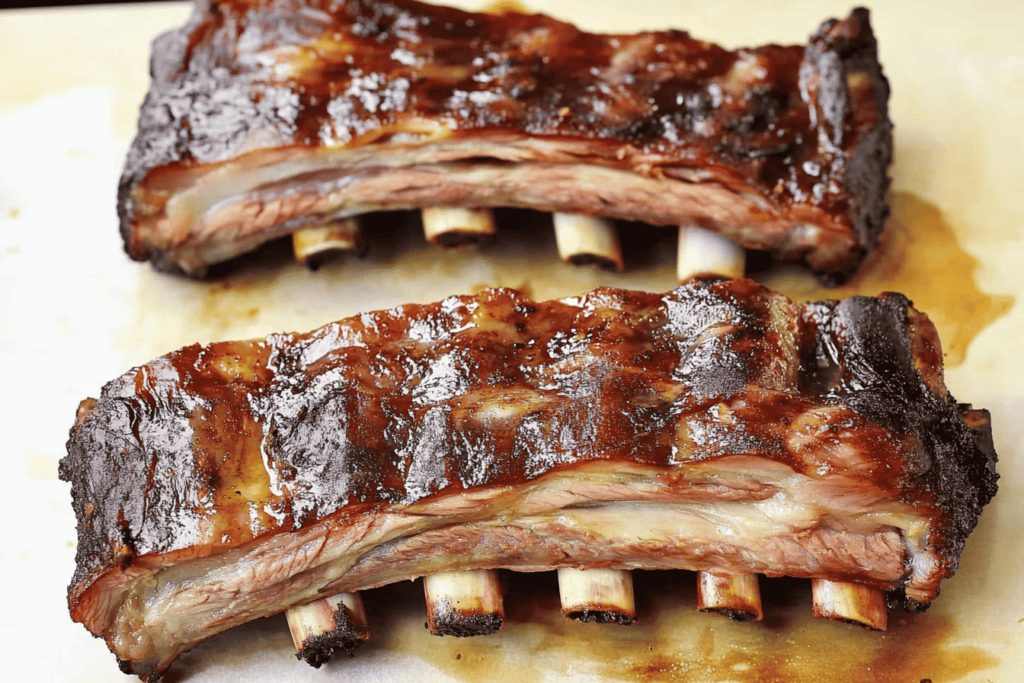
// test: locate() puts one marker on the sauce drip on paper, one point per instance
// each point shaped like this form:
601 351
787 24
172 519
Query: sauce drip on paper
918 255
674 642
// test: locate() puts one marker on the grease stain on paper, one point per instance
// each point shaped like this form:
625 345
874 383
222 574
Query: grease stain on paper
672 641
920 256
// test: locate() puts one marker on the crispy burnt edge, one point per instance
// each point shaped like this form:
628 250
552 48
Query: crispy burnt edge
964 503
97 553
836 49
834 52
597 616
319 649
462 625
868 350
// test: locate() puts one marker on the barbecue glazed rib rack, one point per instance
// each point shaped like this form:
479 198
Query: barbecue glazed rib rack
294 118
717 428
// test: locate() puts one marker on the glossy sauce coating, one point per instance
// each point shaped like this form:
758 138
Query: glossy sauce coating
803 128
210 447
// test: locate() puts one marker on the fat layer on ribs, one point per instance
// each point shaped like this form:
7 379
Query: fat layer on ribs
265 118
716 427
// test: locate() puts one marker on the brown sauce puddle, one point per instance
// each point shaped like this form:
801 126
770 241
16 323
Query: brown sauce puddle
672 641
918 255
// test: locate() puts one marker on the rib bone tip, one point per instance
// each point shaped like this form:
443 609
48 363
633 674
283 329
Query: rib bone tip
584 240
313 246
850 602
703 252
736 596
464 603
452 226
323 627
597 595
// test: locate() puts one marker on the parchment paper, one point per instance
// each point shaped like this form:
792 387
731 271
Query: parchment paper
76 313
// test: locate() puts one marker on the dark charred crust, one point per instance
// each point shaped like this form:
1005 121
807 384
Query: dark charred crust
145 675
898 599
861 355
660 102
319 649
594 616
979 471
455 623
841 54
159 142
94 554
124 666
916 606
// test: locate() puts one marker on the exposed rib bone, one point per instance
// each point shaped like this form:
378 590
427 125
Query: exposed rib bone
451 226
704 252
583 240
737 596
465 603
321 628
315 245
598 595
852 602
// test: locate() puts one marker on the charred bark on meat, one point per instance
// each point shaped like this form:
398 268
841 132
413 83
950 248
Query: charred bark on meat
262 120
615 430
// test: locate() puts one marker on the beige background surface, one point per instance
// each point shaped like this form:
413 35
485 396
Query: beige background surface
74 313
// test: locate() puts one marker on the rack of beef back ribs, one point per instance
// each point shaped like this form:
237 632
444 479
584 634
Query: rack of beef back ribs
264 120
717 428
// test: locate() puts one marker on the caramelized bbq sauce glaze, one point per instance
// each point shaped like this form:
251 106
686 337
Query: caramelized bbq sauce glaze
809 129
211 447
